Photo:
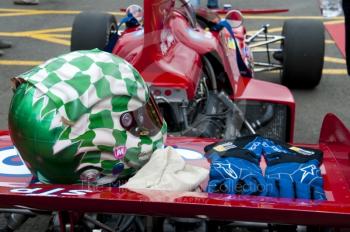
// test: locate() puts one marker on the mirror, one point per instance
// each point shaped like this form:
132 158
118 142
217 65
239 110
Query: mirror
235 18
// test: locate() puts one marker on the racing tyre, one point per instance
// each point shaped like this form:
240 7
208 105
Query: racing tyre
93 30
303 53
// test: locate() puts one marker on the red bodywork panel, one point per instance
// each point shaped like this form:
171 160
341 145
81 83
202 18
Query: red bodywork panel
167 50
335 211
171 55
172 60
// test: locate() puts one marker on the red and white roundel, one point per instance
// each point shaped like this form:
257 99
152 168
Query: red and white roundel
11 163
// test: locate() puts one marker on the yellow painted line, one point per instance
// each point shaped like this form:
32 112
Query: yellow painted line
42 11
44 35
334 60
46 31
270 29
62 36
276 29
14 10
279 29
329 41
20 62
35 32
51 39
11 34
334 22
16 14
334 72
24 12
291 17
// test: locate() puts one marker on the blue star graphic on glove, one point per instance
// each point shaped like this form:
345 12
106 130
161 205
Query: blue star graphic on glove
226 167
308 170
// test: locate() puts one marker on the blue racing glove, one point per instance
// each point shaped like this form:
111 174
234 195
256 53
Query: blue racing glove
293 172
235 167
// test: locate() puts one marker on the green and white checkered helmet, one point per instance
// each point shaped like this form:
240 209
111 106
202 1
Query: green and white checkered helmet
84 113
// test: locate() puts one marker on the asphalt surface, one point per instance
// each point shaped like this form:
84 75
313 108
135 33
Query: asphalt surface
41 32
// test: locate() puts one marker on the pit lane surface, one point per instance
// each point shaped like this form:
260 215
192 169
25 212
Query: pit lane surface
41 32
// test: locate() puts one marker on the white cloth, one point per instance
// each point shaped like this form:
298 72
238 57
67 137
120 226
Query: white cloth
167 170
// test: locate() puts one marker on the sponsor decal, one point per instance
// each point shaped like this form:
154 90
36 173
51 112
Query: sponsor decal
224 147
309 170
51 192
302 151
231 44
274 148
226 168
119 152
167 40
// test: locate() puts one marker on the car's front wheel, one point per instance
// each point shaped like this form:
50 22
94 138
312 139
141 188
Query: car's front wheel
93 30
303 53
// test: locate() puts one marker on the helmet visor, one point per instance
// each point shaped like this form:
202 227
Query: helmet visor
144 121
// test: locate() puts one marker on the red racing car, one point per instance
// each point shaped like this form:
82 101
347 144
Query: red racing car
201 68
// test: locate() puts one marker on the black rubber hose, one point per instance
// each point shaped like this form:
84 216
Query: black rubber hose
265 119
